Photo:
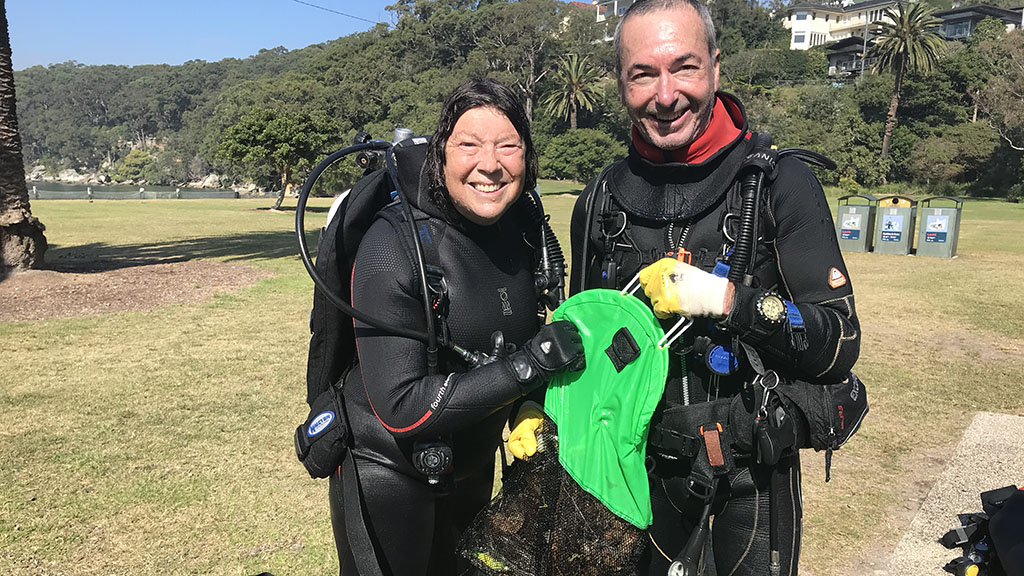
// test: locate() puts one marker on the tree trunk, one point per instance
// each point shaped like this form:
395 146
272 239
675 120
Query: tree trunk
22 243
572 117
890 118
285 177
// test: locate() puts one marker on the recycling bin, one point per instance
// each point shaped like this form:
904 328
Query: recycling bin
939 229
855 222
894 225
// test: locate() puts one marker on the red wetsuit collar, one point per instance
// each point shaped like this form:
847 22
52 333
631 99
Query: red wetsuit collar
726 125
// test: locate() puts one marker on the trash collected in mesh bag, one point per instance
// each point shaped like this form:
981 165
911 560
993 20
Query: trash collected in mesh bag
543 524
580 506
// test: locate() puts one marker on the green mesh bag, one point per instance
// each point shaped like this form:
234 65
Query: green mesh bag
604 412
580 505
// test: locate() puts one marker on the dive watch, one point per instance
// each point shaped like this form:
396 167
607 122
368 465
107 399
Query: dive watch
770 311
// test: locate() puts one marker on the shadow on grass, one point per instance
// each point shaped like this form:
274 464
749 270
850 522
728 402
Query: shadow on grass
100 257
309 209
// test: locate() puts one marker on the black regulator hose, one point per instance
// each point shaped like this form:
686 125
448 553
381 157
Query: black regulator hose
428 310
307 260
550 278
741 264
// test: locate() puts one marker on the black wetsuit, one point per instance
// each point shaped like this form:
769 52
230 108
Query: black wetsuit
665 205
392 403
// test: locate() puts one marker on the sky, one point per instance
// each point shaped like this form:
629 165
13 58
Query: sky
127 32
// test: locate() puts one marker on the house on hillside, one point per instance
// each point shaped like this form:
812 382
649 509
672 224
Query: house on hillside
815 24
844 57
609 8
851 29
961 22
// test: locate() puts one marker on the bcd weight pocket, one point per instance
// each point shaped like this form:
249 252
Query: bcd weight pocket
834 412
322 441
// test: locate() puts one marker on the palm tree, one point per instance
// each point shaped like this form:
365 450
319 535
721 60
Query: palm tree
22 243
907 40
577 88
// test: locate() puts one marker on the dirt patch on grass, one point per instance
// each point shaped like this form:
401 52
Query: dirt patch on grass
101 287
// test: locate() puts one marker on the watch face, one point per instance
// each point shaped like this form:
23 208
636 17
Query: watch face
773 308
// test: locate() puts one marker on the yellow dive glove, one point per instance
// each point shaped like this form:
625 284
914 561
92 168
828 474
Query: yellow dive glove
522 440
676 287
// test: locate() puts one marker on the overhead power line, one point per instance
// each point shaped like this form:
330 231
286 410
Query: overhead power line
333 11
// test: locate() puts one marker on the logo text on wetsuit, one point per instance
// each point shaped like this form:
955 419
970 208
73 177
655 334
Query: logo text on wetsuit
506 306
440 392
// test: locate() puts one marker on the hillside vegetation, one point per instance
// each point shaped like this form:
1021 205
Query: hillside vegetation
268 117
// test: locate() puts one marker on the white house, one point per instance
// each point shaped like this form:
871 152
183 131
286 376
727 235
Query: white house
813 24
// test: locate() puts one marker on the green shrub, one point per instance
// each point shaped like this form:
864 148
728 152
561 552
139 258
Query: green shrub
1016 193
132 166
579 154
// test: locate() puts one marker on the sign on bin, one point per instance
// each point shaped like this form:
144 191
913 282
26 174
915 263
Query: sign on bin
936 227
892 227
851 227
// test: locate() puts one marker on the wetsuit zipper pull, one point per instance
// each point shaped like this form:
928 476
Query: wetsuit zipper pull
828 453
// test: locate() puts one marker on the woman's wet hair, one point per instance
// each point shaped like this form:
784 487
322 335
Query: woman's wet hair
474 94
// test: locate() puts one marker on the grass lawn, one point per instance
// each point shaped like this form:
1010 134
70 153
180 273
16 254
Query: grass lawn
547 187
160 442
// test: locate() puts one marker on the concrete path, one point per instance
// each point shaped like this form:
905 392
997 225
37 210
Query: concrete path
990 455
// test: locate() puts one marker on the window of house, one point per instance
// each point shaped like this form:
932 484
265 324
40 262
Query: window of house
798 38
958 30
826 17
801 15
814 15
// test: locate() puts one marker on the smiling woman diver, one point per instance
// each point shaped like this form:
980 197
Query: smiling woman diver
479 163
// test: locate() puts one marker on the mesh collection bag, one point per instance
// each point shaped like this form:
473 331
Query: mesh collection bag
543 523
581 504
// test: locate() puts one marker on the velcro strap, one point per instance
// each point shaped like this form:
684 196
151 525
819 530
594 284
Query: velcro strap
959 536
713 444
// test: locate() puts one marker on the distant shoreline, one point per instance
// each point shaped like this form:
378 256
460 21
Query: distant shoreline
55 186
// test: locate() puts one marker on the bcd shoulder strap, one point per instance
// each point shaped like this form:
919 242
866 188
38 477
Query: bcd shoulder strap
430 231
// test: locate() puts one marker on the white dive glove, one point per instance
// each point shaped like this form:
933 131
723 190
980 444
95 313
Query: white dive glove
676 287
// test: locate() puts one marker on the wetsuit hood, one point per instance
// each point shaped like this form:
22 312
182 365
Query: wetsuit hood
669 189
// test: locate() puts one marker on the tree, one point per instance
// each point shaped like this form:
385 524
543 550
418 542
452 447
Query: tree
576 88
518 42
269 141
908 40
1002 97
967 66
580 154
22 243
133 166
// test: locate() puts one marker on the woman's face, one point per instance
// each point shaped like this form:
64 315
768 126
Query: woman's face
484 165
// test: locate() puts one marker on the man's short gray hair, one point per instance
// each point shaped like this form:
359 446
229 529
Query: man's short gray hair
641 7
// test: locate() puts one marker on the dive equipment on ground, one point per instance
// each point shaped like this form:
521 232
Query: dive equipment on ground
992 541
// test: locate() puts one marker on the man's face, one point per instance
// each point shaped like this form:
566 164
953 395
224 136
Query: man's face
667 79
